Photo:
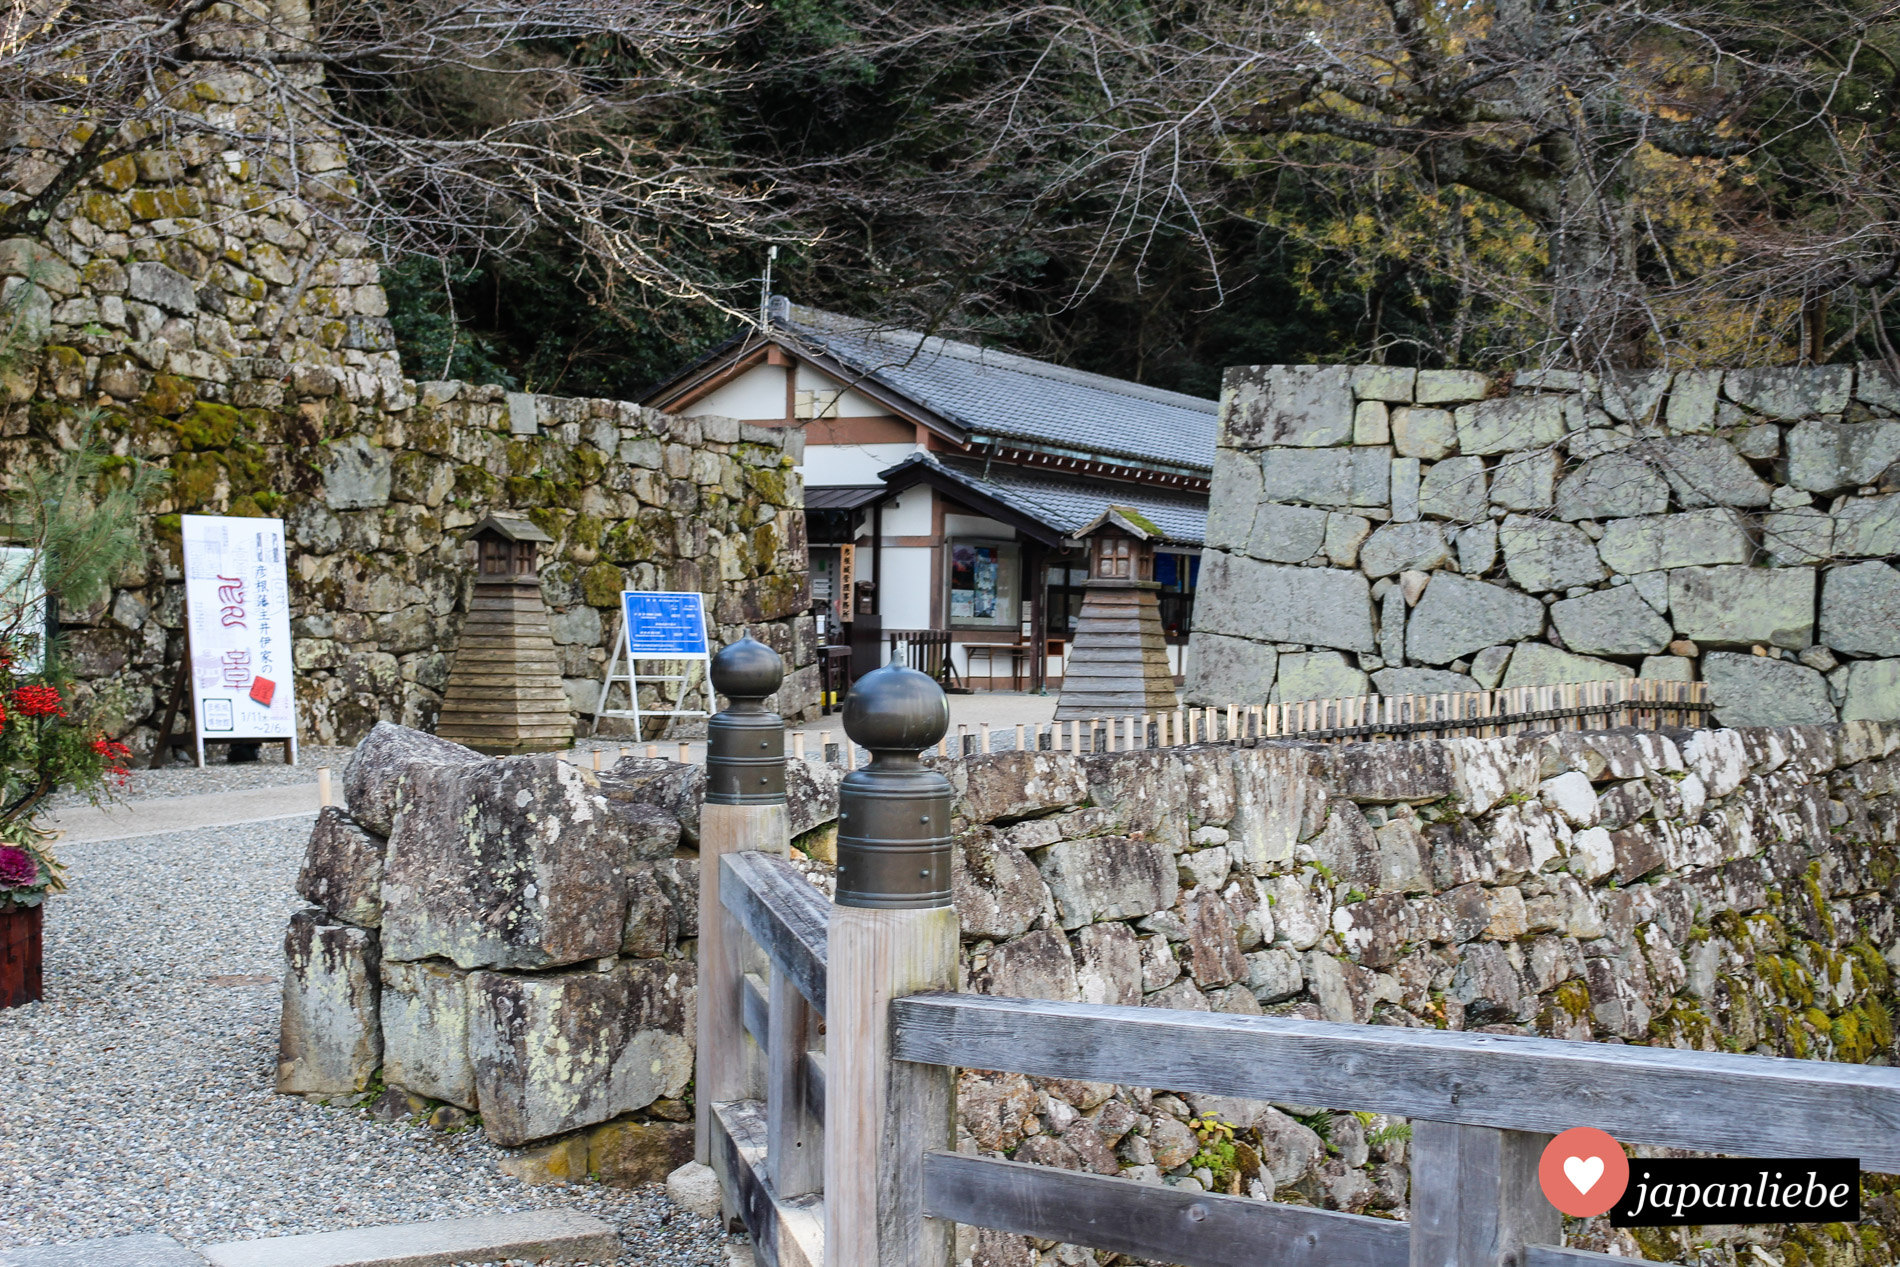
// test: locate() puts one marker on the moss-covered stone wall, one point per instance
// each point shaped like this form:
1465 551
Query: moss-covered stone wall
376 489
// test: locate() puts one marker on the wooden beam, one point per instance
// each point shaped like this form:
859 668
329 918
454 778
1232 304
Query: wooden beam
1475 1196
795 1128
1153 1222
784 914
785 1232
752 1006
1709 1101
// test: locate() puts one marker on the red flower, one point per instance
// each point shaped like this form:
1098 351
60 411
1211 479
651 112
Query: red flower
114 752
38 701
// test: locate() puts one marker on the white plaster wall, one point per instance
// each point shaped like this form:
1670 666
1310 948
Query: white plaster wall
976 526
851 463
757 393
905 586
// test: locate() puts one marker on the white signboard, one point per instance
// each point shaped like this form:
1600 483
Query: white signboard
237 609
23 607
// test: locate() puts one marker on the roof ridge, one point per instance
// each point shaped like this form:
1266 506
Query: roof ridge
821 321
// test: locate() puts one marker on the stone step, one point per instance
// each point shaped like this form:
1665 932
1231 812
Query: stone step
116 1251
542 1236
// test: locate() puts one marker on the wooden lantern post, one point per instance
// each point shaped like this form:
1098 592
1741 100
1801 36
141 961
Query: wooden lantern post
504 693
1119 660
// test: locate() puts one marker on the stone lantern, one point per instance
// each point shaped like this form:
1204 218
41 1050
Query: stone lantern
1118 662
504 693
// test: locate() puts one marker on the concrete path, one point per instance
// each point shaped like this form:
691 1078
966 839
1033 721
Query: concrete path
155 815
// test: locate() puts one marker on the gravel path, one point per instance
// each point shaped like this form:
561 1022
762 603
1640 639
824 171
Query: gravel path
137 1097
182 778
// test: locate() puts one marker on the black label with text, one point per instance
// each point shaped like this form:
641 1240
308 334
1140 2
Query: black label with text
1690 1191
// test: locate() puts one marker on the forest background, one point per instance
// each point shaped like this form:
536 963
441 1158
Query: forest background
577 196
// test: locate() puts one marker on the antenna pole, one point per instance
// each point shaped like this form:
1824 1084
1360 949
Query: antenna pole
765 290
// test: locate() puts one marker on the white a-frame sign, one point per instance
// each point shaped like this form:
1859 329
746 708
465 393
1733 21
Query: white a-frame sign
660 625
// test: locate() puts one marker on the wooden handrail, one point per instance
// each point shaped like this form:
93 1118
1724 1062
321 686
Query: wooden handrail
784 914
1709 1101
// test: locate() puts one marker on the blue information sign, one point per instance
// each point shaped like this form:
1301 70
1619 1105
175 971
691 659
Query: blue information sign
662 626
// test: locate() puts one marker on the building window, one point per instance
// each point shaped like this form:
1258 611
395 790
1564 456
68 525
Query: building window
983 585
1066 587
816 404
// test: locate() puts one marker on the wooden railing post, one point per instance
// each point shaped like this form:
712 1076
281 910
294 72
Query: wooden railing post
744 810
1475 1197
892 932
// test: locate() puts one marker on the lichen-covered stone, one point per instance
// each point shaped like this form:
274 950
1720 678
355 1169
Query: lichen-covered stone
1317 675
1108 877
1400 547
1509 424
1785 392
1002 787
1540 664
1750 690
999 892
1301 405
1035 965
631 1154
1736 606
561 1050
1829 456
1613 486
1271 602
1455 489
1223 670
425 1019
1458 616
1860 609
343 870
1542 555
1613 621
1692 539
330 1039
521 864
1286 534
1326 477
372 781
1526 481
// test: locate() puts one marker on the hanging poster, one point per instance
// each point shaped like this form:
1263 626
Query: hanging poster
23 607
237 609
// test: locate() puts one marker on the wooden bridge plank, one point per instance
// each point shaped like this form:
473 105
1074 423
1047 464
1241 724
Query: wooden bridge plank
1193 1229
785 1233
1710 1101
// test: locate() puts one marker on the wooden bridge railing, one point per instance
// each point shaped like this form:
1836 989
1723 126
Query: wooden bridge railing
1482 1106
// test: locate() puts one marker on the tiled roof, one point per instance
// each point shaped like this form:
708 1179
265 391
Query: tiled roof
1067 504
1015 397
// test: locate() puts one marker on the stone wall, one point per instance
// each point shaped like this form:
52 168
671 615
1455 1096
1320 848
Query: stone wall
211 311
1720 890
1376 529
376 490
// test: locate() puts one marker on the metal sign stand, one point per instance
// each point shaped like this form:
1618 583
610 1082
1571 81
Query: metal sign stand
623 654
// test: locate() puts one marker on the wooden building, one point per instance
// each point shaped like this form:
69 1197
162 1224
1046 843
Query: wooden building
504 691
948 481
1119 663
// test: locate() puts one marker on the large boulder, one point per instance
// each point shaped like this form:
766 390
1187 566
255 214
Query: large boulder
1109 877
1222 669
1540 664
330 1038
1276 602
1751 690
1707 471
520 863
676 787
1510 423
1695 538
1286 534
1828 456
561 1050
1542 554
1279 800
1458 616
1614 621
1860 609
1784 391
343 869
372 782
1301 405
425 1014
1455 489
1613 486
1738 606
1327 477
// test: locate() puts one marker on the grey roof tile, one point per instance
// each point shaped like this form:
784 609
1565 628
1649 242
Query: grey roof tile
1069 504
1017 397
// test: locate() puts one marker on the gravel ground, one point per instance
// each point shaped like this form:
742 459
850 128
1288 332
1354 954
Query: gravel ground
182 778
137 1097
